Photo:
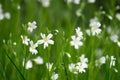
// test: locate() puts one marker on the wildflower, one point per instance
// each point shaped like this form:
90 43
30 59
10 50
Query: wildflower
114 38
117 16
29 64
88 32
72 68
54 76
91 1
7 15
45 3
83 59
46 40
112 61
100 61
95 24
49 66
76 42
38 60
81 67
32 47
76 2
25 40
31 26
79 33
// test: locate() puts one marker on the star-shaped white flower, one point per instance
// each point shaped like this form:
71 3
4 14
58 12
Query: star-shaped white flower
32 48
76 42
25 40
95 26
31 26
46 40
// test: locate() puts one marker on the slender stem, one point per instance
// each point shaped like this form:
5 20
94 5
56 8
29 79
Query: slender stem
15 66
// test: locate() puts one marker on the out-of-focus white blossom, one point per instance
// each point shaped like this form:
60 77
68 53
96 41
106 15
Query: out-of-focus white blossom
33 47
45 3
38 60
49 66
117 16
80 66
29 64
76 42
95 26
114 38
31 26
91 1
25 40
7 15
72 68
54 76
100 61
79 33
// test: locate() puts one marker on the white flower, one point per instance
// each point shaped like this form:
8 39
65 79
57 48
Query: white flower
76 42
1 13
31 26
91 1
72 68
118 43
46 40
54 76
7 15
32 47
79 33
83 59
45 3
25 40
117 16
112 61
69 1
81 67
49 66
114 38
100 61
88 32
38 60
95 24
28 64
76 1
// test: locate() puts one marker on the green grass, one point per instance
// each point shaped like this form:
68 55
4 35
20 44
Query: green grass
62 17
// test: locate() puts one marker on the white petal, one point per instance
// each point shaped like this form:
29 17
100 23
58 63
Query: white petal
40 41
29 64
50 41
49 36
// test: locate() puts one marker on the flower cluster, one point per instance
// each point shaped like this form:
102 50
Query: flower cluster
76 40
80 66
99 62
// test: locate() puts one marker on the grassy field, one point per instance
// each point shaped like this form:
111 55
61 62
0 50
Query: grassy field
59 39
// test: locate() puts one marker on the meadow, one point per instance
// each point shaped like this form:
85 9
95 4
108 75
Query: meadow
59 39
